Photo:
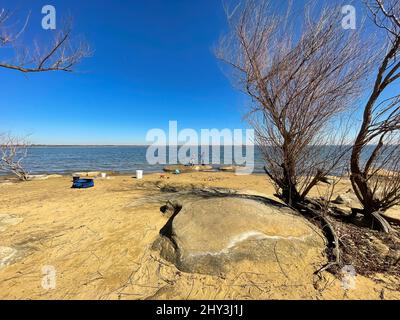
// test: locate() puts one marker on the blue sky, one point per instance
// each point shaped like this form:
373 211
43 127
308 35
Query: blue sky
152 63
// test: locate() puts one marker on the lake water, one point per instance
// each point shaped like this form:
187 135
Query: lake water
120 159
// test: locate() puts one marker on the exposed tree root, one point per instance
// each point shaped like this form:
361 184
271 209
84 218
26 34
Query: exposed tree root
391 220
377 220
383 224
330 234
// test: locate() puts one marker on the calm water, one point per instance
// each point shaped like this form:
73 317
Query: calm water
119 159
108 158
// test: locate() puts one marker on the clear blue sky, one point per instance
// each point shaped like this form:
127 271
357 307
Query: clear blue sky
152 63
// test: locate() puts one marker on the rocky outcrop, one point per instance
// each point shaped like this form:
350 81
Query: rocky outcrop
210 236
231 168
43 176
347 199
343 199
91 174
183 168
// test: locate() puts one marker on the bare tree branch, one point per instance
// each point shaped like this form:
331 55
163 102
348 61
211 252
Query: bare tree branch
300 87
62 55
376 181
12 153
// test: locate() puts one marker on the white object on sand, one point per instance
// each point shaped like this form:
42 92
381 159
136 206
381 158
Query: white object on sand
139 174
103 175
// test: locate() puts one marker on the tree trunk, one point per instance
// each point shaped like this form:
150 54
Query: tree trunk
289 190
358 178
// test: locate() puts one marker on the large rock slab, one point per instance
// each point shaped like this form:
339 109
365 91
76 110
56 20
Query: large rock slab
40 177
91 174
183 168
210 236
231 168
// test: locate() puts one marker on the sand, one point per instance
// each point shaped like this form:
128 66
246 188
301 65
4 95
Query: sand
98 241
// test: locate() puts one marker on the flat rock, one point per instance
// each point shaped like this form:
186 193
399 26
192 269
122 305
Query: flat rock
91 174
7 256
7 220
344 199
210 235
183 168
231 168
38 177
54 176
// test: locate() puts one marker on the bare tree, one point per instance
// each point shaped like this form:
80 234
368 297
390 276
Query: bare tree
299 84
375 158
12 152
61 55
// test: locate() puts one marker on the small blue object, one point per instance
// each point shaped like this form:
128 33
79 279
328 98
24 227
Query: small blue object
177 171
82 183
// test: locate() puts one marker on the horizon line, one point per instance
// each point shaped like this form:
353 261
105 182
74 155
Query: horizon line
128 145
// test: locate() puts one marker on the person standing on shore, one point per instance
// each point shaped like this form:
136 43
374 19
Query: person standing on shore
202 159
191 162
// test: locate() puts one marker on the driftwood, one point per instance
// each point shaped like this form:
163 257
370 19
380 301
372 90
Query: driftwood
13 152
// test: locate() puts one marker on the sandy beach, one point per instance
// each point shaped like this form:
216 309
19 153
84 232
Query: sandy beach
100 240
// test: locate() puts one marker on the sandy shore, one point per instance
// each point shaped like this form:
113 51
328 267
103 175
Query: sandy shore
99 242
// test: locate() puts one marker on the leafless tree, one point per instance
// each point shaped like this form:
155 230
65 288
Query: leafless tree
301 80
375 158
61 55
12 152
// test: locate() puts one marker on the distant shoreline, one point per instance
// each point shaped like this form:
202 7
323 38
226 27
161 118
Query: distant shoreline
87 145
126 145
7 177
148 145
